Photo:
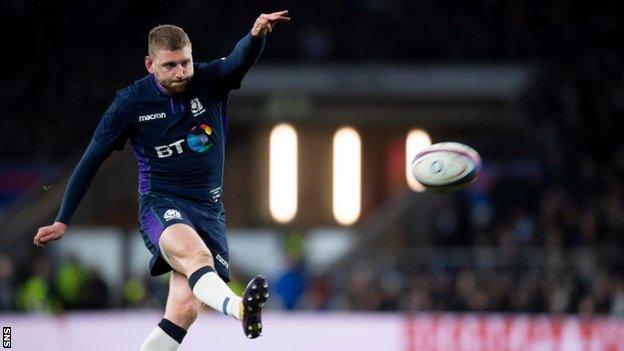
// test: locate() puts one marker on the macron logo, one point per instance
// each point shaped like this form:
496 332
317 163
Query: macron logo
153 116
222 261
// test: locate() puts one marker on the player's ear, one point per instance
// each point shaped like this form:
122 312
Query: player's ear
149 64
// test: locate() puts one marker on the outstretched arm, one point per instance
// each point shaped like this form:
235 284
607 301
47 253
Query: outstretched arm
77 186
248 50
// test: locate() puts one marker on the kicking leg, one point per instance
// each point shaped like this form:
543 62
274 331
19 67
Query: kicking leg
186 252
181 311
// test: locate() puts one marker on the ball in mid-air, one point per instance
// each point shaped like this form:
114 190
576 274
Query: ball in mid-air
446 166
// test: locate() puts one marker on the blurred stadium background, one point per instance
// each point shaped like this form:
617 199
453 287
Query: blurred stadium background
528 258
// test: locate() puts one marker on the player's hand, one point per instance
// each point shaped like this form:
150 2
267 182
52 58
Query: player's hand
51 232
267 22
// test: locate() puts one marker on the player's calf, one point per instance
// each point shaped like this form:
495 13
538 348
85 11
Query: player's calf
184 315
209 288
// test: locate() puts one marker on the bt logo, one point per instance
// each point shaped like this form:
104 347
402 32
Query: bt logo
167 150
198 140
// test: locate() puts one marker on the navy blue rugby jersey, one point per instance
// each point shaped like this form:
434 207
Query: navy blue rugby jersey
178 140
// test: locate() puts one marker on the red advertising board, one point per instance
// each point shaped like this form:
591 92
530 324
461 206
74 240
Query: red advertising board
472 332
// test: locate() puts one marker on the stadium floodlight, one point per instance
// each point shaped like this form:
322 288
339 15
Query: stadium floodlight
417 139
283 173
347 176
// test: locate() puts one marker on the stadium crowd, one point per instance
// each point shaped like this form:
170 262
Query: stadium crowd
525 228
53 80
555 222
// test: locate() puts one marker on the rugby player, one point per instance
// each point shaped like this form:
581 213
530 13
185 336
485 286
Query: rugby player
176 120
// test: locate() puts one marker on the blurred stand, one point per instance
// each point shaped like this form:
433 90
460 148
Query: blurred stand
536 87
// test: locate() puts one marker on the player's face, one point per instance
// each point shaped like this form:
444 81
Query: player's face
172 69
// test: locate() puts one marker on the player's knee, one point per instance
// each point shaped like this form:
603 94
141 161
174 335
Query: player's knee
192 259
195 261
206 255
200 258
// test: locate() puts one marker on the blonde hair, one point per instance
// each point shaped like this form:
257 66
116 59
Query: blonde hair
168 37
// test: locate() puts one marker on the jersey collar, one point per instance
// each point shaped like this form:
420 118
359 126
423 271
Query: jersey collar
161 90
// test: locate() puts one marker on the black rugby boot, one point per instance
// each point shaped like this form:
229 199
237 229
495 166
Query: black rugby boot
254 298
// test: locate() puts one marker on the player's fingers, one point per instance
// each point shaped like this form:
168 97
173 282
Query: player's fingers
41 232
47 236
279 13
54 235
42 239
37 242
273 17
277 18
266 26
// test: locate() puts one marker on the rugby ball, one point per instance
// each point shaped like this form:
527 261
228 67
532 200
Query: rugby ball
446 166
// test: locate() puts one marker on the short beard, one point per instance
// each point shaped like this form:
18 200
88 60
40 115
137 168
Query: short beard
177 89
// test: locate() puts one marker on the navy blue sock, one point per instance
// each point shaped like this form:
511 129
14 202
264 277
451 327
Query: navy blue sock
177 333
198 274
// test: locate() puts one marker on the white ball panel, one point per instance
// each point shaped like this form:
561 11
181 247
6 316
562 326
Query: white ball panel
447 164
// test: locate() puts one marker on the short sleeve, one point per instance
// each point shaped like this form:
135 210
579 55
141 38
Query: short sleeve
114 127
